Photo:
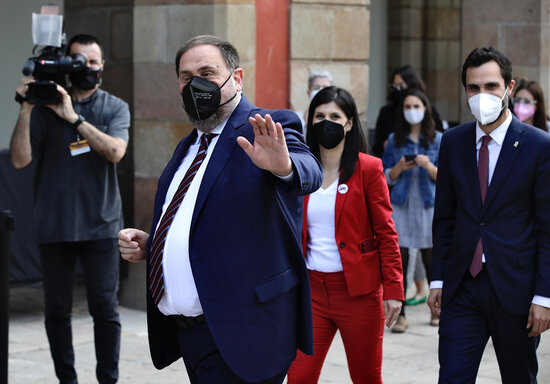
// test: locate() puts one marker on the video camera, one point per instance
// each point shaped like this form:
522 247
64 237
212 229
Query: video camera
52 64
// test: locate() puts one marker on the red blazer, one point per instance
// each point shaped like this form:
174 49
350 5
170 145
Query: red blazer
365 232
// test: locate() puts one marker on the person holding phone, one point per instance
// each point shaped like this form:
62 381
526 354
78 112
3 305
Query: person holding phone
410 164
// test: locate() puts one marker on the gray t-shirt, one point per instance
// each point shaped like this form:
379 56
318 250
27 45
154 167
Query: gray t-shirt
76 197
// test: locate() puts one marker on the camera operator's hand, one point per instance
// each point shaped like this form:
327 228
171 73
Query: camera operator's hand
20 145
110 147
24 85
65 107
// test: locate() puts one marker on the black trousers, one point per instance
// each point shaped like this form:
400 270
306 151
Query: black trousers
204 362
100 261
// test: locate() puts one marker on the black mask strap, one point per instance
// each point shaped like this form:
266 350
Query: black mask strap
221 86
235 95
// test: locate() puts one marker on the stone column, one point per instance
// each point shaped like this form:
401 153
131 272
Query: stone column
330 35
523 35
426 35
111 21
160 28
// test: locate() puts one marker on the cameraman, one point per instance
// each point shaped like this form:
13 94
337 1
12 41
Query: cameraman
77 210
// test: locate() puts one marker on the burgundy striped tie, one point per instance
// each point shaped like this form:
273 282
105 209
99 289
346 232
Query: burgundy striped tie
156 275
483 174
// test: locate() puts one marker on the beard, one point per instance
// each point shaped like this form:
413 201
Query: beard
223 112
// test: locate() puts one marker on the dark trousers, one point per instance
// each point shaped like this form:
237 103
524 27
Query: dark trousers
99 260
204 362
471 317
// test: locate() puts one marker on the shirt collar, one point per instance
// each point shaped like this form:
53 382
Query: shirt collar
498 134
217 131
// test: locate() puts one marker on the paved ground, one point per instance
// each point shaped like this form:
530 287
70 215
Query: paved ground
408 358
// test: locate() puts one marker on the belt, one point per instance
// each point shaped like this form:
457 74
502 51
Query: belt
186 322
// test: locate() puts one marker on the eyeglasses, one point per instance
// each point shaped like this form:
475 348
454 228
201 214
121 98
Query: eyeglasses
519 100
317 87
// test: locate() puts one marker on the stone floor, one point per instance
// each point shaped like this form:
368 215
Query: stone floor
409 358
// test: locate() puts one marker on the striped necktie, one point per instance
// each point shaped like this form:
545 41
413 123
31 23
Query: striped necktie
156 275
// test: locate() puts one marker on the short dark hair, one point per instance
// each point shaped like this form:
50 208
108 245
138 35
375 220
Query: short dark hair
228 51
85 39
354 139
410 77
482 55
427 128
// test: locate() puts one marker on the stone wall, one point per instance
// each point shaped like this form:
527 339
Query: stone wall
160 29
426 35
141 38
520 30
329 35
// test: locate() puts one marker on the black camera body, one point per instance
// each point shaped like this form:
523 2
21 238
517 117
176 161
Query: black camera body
49 68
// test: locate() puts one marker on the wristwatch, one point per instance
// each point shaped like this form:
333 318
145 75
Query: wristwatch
20 99
78 121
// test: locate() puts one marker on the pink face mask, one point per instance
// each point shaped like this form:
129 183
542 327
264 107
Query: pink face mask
524 111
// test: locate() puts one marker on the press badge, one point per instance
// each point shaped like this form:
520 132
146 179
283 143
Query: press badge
79 147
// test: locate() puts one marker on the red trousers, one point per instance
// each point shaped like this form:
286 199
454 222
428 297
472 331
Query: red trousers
360 321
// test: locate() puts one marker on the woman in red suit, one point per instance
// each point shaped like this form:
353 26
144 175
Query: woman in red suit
350 244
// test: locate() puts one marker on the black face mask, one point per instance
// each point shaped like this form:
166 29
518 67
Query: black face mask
86 79
201 98
396 94
328 133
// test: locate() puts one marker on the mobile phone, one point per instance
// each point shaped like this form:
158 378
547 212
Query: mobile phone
409 158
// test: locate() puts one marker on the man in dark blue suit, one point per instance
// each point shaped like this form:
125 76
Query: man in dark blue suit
491 232
230 293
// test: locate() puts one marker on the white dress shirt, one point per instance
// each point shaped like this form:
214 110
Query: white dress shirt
494 147
180 296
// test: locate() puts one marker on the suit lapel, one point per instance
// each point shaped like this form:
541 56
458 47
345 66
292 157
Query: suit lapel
166 179
222 151
341 198
469 149
509 153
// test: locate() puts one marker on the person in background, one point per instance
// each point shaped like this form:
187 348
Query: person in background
76 145
315 82
404 78
350 244
528 104
410 163
417 272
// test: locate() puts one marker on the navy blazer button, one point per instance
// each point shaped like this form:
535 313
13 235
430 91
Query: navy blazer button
482 224
342 245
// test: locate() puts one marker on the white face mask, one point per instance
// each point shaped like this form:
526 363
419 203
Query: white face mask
413 116
485 107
